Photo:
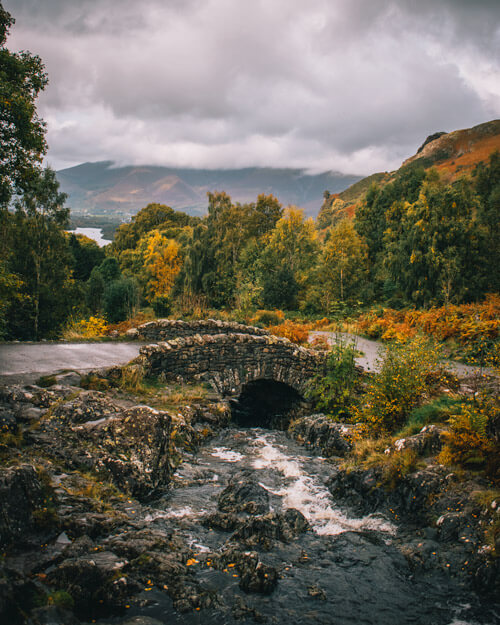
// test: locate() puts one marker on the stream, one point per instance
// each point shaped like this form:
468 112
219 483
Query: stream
343 570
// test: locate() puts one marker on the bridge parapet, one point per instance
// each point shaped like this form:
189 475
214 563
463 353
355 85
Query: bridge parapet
229 361
168 329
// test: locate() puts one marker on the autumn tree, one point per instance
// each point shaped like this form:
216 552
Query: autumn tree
288 258
162 261
343 268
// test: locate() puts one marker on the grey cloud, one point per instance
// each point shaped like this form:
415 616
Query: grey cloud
334 83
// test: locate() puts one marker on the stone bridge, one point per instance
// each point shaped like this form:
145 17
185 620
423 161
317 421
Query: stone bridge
167 329
231 361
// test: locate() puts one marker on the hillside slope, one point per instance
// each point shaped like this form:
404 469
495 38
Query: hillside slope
453 154
101 189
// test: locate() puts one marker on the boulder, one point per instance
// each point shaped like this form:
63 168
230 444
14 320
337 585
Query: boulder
428 441
318 432
244 494
21 493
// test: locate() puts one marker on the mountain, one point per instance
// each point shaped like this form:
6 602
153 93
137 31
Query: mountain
100 189
451 153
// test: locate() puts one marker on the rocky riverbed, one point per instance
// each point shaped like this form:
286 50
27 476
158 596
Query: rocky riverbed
117 512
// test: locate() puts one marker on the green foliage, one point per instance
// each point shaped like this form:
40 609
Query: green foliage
41 258
121 298
162 306
467 443
437 411
110 269
22 140
399 385
95 290
280 288
62 599
86 254
344 265
334 393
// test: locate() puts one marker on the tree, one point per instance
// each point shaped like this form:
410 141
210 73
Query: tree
344 264
22 140
288 258
163 262
41 254
87 255
121 298
434 245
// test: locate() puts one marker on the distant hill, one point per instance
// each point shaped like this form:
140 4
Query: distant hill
451 153
100 189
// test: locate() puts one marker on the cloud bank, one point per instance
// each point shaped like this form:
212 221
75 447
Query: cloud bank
348 85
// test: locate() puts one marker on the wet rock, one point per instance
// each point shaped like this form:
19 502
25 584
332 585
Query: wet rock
224 521
320 433
128 446
21 493
140 620
53 615
261 529
366 490
449 525
16 596
316 592
95 582
131 544
28 414
255 576
244 494
91 524
241 610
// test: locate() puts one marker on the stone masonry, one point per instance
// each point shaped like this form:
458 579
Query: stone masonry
229 361
167 329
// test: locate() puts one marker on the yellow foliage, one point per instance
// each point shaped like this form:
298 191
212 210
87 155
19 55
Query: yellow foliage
466 443
90 328
163 261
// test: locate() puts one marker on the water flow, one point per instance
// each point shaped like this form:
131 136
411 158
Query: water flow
342 571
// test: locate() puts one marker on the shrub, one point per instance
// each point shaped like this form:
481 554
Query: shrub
120 299
295 332
62 599
437 411
90 328
162 305
267 318
334 393
399 385
466 443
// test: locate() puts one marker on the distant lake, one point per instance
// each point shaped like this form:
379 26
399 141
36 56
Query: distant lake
92 233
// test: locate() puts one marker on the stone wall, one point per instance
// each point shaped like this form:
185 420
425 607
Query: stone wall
167 329
229 361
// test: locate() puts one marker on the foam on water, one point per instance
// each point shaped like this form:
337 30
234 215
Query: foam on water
309 496
226 454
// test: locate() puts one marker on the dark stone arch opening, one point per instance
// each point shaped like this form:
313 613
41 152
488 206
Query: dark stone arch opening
267 404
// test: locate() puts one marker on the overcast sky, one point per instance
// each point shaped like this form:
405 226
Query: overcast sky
347 85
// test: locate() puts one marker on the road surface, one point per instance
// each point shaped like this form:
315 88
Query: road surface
27 361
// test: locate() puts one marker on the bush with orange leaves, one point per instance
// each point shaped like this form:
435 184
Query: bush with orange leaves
467 443
475 326
295 332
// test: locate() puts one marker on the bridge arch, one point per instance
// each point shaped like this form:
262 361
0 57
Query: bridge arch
231 361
